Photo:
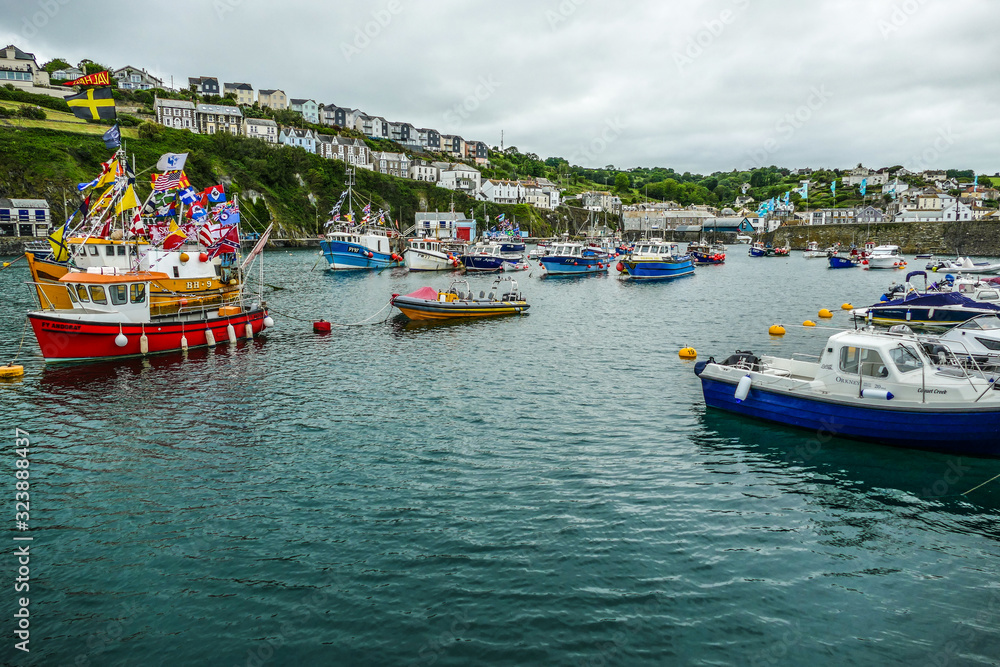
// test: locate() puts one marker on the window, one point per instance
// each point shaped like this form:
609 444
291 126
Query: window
121 251
97 294
93 250
138 292
905 358
870 361
109 250
40 215
22 214
81 291
177 273
119 294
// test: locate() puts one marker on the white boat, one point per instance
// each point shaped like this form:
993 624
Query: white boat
428 255
889 387
978 338
812 251
885 257
963 265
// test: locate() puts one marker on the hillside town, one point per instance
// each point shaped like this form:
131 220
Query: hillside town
898 195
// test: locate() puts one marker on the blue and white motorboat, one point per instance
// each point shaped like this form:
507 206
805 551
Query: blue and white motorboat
655 260
944 304
891 387
489 258
354 245
838 262
359 248
571 259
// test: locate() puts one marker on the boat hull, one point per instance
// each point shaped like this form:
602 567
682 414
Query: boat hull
419 260
656 270
959 431
422 309
921 315
842 263
346 256
572 266
70 339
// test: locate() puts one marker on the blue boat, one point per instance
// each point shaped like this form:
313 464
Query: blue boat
893 388
353 245
570 259
489 258
837 262
655 260
939 309
359 249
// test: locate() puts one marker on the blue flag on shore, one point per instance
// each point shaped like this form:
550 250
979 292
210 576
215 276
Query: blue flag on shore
113 137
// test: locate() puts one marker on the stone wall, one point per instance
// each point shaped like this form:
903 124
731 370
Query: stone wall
978 237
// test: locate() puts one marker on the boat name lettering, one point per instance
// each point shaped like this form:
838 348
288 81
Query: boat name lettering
57 325
846 381
196 285
827 367
932 391
352 249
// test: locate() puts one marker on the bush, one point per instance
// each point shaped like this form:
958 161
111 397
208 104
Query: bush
33 113
150 130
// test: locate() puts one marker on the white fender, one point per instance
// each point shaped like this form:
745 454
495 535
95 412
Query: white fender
877 393
743 388
248 331
121 340
143 344
184 342
231 332
209 338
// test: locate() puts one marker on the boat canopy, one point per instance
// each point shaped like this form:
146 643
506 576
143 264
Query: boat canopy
939 300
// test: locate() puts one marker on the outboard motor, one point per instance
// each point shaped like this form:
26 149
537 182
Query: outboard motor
743 359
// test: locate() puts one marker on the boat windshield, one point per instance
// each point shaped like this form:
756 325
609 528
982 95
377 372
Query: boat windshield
988 323
871 363
905 358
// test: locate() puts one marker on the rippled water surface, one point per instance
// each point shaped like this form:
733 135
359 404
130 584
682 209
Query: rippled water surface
547 489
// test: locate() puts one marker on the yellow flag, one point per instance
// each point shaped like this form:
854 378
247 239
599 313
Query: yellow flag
109 175
60 253
128 201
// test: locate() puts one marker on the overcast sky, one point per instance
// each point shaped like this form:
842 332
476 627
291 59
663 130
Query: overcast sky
698 85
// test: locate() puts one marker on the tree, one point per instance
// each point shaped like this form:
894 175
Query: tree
54 64
621 183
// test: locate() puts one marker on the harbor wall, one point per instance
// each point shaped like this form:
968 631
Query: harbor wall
974 237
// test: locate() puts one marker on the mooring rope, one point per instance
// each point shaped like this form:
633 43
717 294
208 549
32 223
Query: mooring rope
363 322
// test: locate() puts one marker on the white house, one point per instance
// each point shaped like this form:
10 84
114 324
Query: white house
394 164
133 78
461 177
293 136
861 173
501 192
20 68
261 128
423 171
24 217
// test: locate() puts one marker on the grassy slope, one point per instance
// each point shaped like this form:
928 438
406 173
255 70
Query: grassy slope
292 188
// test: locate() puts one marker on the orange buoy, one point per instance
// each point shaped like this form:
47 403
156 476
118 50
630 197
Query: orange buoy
687 353
808 323
776 330
825 313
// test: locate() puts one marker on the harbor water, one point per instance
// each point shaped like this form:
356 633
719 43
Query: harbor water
538 490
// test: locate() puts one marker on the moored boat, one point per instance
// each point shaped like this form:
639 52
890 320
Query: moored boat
459 301
489 257
427 254
571 259
884 257
812 251
703 253
963 265
367 244
654 260
887 387
838 262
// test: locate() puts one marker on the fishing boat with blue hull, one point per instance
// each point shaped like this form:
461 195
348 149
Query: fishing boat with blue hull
359 249
892 388
838 262
703 253
944 304
571 259
490 257
652 260
358 245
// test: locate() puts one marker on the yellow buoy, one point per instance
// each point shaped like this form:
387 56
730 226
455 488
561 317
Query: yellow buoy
11 371
846 306
184 257
6 264
825 312
687 353
776 330
808 323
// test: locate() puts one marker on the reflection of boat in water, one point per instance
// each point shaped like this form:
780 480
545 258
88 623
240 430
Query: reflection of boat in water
888 387
459 301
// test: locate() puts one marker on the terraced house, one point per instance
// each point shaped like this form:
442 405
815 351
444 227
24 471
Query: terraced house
243 92
20 68
178 114
308 108
272 99
215 118
349 150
